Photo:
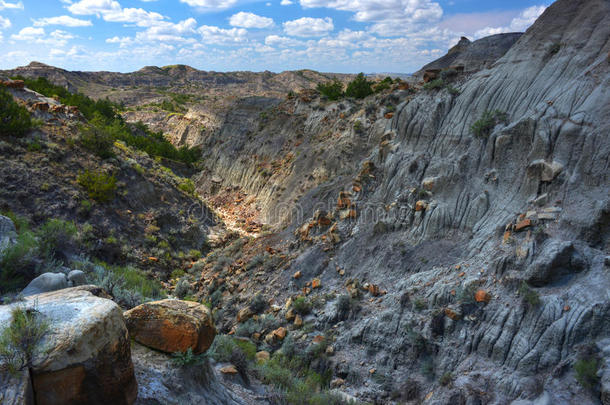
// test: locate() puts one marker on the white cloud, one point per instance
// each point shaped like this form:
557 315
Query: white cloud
4 23
64 20
250 20
390 17
219 36
309 27
285 3
169 32
517 24
112 11
276 40
28 34
210 4
4 4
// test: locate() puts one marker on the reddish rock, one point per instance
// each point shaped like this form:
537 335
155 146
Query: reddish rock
431 74
230 369
172 325
453 314
318 339
14 84
482 296
421 205
244 314
315 283
388 115
297 275
279 333
44 107
374 290
525 223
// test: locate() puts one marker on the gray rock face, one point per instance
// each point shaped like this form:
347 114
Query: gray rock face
8 233
477 55
45 283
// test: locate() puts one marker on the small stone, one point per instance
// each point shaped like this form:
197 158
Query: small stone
244 314
298 321
279 333
297 275
453 314
262 356
566 308
525 223
230 369
372 371
374 290
337 382
315 283
421 205
482 296
318 339
330 350
290 315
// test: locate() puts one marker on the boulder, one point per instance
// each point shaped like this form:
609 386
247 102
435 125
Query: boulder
244 314
557 259
76 278
8 233
172 325
46 282
87 350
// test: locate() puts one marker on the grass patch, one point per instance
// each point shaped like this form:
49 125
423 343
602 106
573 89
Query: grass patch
434 84
586 372
483 126
528 295
100 186
20 342
15 119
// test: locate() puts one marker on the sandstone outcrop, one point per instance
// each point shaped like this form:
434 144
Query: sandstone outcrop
172 325
86 356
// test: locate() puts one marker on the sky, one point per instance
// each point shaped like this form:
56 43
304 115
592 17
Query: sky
347 36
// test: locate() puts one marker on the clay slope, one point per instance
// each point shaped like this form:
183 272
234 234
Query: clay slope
519 211
491 242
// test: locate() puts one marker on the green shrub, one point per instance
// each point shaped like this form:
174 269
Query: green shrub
247 347
301 305
360 87
20 342
258 304
97 141
446 379
183 288
125 284
453 91
483 126
187 358
434 84
528 295
100 186
15 120
383 85
17 262
333 90
222 348
187 186
358 126
56 236
586 372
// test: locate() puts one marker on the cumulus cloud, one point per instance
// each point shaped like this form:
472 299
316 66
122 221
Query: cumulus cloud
6 5
210 4
28 34
220 36
285 3
250 20
518 24
276 40
309 27
169 32
64 20
390 17
111 11
4 23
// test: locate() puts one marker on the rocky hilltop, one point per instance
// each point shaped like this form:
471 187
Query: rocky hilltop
440 241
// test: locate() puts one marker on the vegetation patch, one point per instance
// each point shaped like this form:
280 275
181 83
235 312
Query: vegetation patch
483 126
15 119
100 186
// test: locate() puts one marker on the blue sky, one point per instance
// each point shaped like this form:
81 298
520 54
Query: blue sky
226 35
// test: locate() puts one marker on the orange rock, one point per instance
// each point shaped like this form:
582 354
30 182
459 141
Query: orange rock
506 237
374 289
482 296
343 201
230 369
356 188
297 275
566 308
279 333
421 205
523 224
153 259
452 314
388 115
372 371
298 321
318 339
315 283
14 84
461 274
244 314
171 325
